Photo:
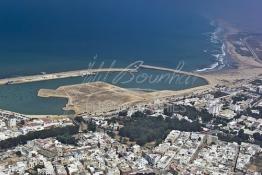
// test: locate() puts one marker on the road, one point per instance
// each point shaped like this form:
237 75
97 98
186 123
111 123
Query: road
251 50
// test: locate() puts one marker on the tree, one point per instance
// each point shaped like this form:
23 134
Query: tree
257 136
67 139
143 129
122 113
91 126
18 153
242 135
43 134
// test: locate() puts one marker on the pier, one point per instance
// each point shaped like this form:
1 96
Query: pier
60 75
174 70
87 72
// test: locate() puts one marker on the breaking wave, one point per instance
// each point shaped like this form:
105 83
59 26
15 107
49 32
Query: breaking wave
215 39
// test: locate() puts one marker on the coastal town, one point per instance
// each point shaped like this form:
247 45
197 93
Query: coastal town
214 132
146 118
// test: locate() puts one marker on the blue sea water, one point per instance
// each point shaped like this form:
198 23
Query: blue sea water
61 35
51 36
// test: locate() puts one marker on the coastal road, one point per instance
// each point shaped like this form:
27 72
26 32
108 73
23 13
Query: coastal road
251 50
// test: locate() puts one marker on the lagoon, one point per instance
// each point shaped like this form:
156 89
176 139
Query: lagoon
23 98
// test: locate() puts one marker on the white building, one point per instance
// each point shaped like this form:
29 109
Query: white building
259 89
12 123
235 107
215 109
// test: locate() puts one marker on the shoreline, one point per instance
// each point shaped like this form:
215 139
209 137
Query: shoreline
85 72
247 69
216 37
238 70
224 60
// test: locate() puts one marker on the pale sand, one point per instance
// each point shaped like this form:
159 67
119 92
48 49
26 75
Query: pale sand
96 97
99 97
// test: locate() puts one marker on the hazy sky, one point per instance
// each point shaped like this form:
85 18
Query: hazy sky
246 14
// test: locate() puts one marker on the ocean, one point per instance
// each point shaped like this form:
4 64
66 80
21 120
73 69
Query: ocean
53 36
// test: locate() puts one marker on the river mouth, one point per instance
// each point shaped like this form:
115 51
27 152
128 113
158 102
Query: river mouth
22 98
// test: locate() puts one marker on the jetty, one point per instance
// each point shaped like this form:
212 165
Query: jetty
60 75
88 72
174 71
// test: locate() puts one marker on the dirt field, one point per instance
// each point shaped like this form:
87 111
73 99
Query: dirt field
97 97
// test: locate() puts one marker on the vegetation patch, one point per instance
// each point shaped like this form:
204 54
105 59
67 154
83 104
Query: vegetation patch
43 134
143 129
191 112
219 94
238 98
